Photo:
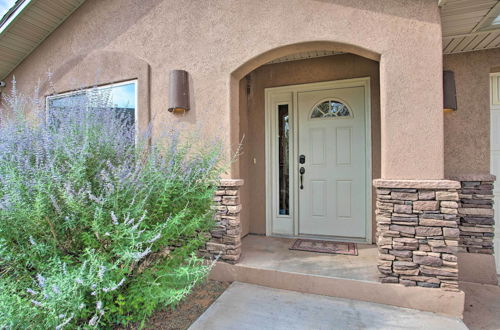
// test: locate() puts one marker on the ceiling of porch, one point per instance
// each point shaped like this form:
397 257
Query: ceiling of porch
304 56
470 25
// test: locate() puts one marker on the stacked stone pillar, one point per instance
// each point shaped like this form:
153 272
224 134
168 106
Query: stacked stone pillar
418 232
476 213
225 239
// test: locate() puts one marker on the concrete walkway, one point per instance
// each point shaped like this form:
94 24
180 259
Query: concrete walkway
244 306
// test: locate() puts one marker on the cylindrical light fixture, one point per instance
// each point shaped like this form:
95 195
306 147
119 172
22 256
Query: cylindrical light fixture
449 91
178 91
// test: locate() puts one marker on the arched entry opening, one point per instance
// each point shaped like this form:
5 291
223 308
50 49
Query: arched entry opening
284 106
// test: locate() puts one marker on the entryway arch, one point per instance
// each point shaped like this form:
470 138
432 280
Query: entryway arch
302 47
317 61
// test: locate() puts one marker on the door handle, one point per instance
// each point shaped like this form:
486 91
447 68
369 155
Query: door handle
302 171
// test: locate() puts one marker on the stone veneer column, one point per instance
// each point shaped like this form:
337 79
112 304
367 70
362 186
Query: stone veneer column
225 238
418 232
476 213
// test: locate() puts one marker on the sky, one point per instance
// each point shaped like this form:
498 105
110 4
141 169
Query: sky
123 96
5 5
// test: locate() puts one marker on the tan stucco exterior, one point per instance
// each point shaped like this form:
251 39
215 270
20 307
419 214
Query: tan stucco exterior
219 42
466 131
252 120
226 45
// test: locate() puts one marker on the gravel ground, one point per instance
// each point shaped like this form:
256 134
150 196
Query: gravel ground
189 309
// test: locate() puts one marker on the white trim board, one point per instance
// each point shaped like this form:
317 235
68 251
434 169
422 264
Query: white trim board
495 155
288 225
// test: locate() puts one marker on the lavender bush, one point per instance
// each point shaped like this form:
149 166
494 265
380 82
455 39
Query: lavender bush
97 227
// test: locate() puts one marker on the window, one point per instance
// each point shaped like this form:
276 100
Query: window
119 97
491 21
284 159
330 109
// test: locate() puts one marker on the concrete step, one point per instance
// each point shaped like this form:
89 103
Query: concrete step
423 299
246 307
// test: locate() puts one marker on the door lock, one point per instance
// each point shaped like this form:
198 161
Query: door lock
302 159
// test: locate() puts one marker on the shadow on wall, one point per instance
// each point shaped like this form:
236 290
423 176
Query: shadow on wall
119 27
411 9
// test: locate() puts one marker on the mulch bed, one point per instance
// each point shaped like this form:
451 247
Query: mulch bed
189 309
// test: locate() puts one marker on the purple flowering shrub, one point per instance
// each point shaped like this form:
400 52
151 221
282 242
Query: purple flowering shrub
97 227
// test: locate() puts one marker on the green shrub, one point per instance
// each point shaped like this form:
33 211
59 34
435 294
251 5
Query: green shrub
98 227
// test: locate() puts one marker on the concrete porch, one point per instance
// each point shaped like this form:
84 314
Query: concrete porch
267 261
274 253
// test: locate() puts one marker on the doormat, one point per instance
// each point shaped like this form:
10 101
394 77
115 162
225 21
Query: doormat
325 247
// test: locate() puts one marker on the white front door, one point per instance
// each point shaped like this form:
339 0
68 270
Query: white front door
495 156
332 192
322 129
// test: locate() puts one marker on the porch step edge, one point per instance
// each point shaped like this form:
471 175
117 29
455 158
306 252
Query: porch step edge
419 298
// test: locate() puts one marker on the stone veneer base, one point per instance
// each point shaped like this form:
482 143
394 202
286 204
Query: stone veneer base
418 232
224 240
476 214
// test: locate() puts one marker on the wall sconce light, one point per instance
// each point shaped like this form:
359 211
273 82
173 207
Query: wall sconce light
178 91
449 91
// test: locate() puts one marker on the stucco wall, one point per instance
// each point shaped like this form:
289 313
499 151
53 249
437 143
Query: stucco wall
218 42
253 134
467 130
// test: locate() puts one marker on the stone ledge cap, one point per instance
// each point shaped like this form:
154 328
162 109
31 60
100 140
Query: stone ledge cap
473 177
231 182
416 184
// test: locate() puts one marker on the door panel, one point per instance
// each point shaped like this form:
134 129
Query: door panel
344 199
318 147
332 138
318 198
343 150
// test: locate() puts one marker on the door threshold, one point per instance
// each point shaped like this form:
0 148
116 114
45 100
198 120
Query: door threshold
326 238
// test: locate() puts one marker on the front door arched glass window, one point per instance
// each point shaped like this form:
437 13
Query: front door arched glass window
330 109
